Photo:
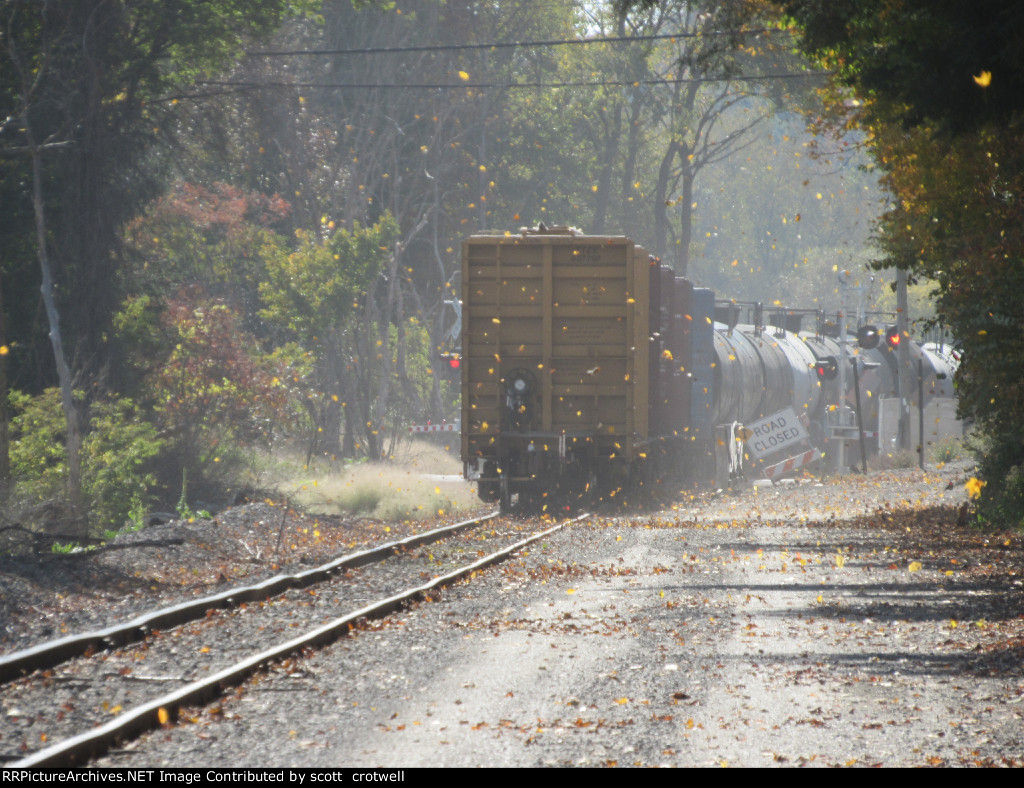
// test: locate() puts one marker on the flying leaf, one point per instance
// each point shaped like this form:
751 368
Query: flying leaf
984 79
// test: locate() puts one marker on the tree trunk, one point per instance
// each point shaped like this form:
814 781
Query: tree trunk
5 446
604 179
71 415
661 199
682 261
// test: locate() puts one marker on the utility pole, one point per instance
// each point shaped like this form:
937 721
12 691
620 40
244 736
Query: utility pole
841 420
904 374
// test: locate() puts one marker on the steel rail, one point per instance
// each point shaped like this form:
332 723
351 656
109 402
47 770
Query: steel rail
53 652
148 716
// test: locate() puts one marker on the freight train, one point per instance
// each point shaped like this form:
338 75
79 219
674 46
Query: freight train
588 369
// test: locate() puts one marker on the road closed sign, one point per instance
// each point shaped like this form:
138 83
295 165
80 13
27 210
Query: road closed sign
781 430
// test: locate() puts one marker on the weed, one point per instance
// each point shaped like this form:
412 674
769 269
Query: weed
950 449
362 500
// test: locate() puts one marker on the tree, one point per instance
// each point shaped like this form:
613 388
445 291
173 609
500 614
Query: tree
81 83
316 294
922 62
942 90
217 237
214 390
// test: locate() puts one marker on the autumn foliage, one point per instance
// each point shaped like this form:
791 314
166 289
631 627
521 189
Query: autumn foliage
941 100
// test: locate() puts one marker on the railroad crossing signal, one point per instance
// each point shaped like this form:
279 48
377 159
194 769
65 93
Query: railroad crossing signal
892 337
826 368
867 337
451 364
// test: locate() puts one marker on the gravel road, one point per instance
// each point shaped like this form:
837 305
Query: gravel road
845 623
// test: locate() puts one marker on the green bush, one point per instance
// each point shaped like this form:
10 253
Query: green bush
950 449
39 465
117 460
362 500
1001 504
118 452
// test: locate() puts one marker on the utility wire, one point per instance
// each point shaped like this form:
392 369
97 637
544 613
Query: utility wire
481 85
506 45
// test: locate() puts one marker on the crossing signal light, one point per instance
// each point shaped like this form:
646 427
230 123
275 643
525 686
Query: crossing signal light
826 368
867 337
892 337
451 363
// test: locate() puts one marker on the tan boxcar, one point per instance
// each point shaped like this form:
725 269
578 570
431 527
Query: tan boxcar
556 360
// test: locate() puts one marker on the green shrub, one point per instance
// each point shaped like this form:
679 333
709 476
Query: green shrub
117 456
39 465
117 459
1001 504
950 449
362 500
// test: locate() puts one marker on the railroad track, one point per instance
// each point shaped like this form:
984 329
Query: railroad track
189 654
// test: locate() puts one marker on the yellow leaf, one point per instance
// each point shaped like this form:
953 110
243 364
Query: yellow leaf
915 566
463 76
570 590
984 79
163 715
840 561
621 701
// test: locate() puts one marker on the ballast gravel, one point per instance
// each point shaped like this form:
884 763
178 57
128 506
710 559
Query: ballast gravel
847 622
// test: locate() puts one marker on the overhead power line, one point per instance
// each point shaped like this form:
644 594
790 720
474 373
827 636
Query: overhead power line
483 85
507 45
